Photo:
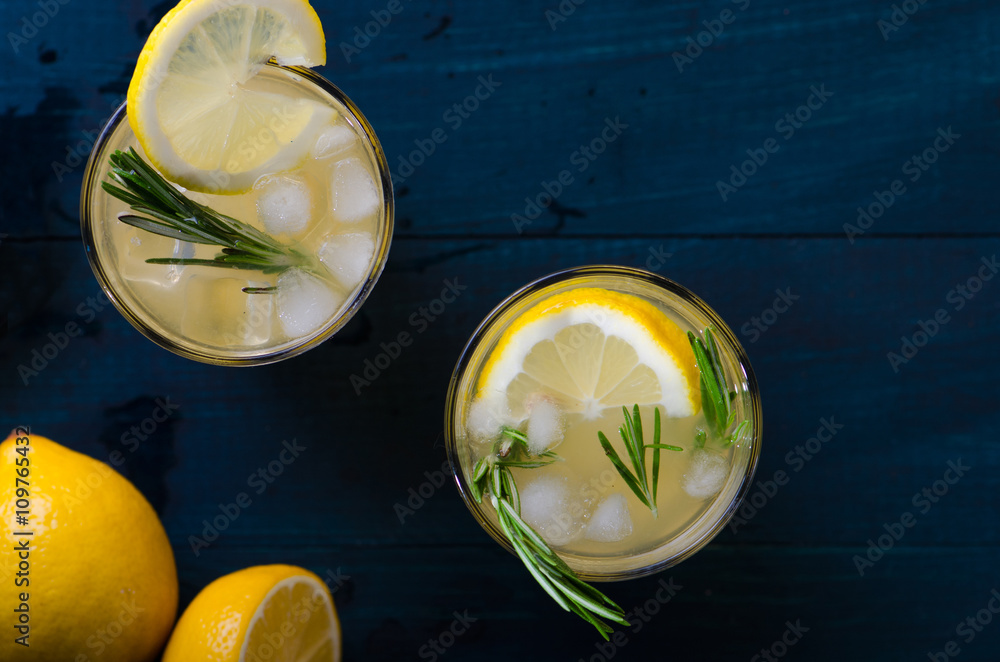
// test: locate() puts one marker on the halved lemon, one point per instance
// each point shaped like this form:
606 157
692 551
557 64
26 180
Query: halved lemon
593 349
268 612
193 102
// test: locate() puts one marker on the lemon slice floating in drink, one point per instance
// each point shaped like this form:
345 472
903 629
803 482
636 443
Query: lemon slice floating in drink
594 349
190 107
268 612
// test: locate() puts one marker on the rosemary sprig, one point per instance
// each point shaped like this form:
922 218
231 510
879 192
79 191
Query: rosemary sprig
716 398
161 209
492 475
631 433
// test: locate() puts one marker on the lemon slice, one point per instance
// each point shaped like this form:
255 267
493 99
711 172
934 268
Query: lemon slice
269 612
592 349
193 102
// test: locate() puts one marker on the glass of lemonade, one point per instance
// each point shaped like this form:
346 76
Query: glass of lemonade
335 206
556 361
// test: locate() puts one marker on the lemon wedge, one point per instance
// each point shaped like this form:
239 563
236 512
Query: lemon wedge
195 107
267 612
592 349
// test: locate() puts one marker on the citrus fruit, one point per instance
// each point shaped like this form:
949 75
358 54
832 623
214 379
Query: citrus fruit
592 349
279 613
99 578
193 103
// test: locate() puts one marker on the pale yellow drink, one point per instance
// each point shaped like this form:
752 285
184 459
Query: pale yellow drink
334 204
580 504
590 479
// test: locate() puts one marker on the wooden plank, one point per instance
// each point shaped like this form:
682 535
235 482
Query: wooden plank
557 89
824 359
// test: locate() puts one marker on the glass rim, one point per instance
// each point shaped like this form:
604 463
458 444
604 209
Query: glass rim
721 328
91 186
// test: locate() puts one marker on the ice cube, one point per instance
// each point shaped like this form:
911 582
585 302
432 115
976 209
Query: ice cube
284 203
487 414
545 424
553 504
305 303
348 256
142 246
611 521
354 197
706 474
333 140
218 312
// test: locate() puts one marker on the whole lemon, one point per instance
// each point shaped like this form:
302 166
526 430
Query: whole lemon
86 570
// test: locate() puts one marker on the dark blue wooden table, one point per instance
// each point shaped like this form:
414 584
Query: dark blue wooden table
836 159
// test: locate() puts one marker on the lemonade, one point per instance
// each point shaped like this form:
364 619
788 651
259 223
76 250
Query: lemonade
593 514
278 150
578 355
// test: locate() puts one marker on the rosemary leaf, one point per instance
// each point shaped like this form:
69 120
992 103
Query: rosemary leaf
656 450
197 262
699 438
189 225
480 469
627 433
123 195
622 470
510 490
526 464
516 435
713 352
666 447
149 225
